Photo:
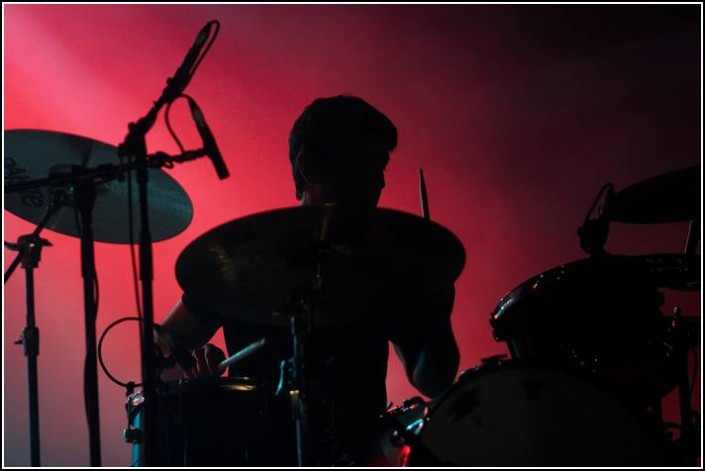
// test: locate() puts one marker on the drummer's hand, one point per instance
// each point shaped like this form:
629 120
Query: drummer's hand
206 360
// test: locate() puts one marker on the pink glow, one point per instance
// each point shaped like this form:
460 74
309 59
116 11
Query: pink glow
516 118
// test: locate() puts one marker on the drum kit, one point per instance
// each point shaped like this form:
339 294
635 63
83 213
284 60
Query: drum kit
592 356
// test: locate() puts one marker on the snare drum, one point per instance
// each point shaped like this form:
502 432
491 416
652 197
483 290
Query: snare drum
513 414
203 422
599 315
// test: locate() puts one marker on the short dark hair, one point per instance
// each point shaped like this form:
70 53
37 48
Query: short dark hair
329 123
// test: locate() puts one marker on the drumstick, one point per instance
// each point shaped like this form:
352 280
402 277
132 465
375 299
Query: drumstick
244 353
424 197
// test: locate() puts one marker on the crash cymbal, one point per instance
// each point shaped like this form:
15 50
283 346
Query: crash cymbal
33 155
671 197
249 268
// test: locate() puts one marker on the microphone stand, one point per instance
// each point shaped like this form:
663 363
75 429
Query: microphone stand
29 248
135 147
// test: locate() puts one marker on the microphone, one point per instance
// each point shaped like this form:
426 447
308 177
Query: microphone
183 74
209 145
179 353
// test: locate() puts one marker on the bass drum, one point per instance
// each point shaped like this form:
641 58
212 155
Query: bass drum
512 414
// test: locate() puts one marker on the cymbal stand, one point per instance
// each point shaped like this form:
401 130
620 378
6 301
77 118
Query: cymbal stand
300 328
301 309
693 237
682 342
77 185
29 251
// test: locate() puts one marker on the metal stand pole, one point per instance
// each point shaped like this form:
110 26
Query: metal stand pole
297 393
29 249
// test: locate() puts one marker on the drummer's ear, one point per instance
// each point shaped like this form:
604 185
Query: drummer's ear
312 191
302 165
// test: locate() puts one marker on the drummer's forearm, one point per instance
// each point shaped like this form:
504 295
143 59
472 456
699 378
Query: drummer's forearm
437 364
430 356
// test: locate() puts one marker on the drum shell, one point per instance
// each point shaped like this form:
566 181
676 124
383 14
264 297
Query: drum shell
521 413
211 422
598 315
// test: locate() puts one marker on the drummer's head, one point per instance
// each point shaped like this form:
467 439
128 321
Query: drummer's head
339 148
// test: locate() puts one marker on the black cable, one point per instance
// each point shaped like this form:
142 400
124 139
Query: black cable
168 124
100 353
168 121
131 239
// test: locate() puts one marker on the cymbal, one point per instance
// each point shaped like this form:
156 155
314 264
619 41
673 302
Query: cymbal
671 197
33 154
248 269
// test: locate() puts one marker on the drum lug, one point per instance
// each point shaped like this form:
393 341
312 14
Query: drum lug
132 435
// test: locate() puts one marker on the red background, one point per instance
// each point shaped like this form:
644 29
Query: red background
517 114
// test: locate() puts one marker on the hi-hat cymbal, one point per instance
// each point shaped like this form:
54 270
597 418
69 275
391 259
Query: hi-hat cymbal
671 197
248 269
34 155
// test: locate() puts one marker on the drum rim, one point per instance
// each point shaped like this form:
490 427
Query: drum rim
555 366
638 415
640 264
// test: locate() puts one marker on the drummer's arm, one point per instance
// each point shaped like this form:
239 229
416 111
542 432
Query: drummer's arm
428 348
192 332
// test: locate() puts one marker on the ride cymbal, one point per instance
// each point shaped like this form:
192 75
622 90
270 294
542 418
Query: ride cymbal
32 155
